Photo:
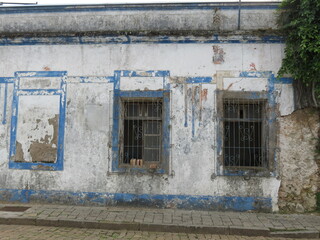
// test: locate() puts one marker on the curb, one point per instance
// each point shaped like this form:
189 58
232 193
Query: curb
252 231
135 226
296 234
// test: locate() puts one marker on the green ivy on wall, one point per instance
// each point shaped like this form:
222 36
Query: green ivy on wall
299 22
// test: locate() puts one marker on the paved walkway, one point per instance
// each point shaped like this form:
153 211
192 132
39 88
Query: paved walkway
27 232
166 220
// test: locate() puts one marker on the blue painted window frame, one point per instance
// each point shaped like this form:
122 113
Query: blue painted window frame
118 96
4 99
58 165
270 97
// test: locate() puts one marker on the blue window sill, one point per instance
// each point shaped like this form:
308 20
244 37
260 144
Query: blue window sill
36 166
138 170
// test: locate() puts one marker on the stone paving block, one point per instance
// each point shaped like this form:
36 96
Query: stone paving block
236 222
183 228
119 226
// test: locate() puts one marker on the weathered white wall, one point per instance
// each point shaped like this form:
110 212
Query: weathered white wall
89 115
102 60
89 103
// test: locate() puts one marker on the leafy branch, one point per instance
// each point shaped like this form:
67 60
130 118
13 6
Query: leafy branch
299 22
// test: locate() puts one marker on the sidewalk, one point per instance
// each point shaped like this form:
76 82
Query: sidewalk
165 220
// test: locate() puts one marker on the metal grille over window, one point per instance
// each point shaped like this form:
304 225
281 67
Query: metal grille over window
142 131
244 134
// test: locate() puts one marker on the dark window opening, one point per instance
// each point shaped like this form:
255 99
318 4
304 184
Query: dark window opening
142 132
244 134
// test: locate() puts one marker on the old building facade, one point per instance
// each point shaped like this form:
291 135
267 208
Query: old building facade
167 105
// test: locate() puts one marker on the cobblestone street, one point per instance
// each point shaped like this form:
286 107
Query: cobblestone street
46 233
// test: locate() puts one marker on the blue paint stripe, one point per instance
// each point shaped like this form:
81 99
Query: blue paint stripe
283 81
30 92
202 202
256 74
7 80
115 131
133 7
199 80
117 75
14 121
151 73
141 94
81 79
271 94
4 119
34 166
40 74
166 130
136 40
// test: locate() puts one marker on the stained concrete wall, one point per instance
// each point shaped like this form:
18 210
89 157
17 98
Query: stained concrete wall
299 169
191 72
147 17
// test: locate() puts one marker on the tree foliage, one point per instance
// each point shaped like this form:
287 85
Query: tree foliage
299 21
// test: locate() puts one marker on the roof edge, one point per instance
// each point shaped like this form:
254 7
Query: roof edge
137 7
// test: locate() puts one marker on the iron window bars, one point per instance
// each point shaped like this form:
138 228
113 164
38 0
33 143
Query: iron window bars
142 132
245 135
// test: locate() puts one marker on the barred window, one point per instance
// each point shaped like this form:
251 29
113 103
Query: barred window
142 132
244 133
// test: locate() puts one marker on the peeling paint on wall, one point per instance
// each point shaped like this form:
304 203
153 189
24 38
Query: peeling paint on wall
37 132
45 149
88 160
19 157
204 94
218 54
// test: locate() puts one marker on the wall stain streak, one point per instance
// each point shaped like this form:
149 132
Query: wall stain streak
204 94
193 110
185 105
200 104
